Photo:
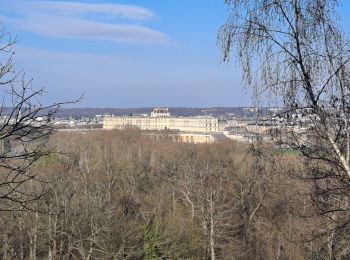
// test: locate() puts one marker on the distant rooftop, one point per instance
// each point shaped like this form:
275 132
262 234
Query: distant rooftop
160 112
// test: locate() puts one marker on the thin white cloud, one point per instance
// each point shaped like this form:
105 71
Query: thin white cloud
75 28
76 20
78 8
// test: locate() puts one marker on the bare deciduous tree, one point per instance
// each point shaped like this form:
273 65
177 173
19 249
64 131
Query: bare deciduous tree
296 50
25 125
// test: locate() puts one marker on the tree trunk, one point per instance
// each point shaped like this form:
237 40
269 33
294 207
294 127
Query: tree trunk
50 254
212 241
21 246
33 238
330 246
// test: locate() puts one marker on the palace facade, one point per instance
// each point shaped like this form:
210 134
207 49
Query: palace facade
161 119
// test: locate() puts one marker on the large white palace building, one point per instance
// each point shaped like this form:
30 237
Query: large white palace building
161 119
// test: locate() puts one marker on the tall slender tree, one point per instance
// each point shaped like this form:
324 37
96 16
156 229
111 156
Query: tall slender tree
297 51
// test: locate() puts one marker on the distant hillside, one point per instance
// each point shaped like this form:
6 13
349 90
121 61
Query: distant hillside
176 111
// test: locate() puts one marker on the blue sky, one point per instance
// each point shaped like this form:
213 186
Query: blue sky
125 53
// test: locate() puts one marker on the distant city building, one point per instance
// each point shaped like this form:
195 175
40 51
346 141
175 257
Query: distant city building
161 119
160 112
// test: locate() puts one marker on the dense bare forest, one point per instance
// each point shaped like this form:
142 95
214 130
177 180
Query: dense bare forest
124 195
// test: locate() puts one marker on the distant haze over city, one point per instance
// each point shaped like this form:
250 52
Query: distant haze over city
175 111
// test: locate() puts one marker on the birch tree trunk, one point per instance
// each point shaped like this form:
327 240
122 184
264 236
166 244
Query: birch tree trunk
212 240
33 238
